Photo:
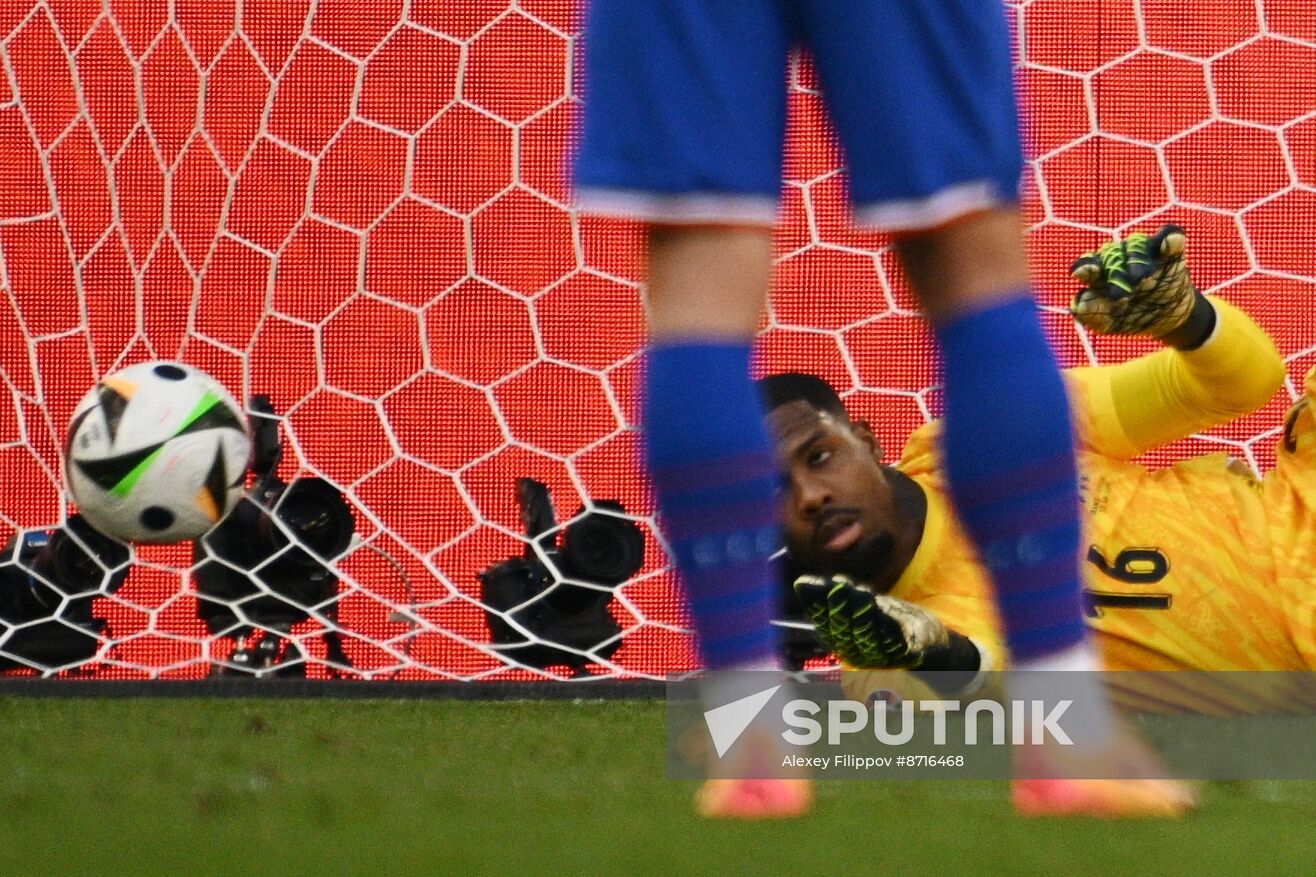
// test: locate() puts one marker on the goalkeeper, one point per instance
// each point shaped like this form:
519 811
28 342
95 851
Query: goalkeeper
1200 566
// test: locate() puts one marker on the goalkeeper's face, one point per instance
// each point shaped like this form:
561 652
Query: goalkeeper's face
840 510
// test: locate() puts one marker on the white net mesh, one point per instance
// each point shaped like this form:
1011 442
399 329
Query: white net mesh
360 211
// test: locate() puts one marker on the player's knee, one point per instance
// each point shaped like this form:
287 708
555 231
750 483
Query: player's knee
967 264
708 281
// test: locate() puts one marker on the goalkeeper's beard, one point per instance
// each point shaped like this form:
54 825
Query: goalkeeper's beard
866 561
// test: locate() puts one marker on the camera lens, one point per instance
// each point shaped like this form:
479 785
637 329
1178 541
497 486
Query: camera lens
315 512
601 548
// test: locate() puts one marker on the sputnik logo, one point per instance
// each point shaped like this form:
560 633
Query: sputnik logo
727 722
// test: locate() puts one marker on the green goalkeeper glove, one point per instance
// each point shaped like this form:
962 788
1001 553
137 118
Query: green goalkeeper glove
1137 286
867 630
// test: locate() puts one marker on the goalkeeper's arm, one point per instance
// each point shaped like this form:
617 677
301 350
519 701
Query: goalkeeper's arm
870 631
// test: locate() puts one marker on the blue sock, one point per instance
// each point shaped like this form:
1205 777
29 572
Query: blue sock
715 475
1009 450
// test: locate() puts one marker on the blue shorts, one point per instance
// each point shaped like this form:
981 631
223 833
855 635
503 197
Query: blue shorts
685 106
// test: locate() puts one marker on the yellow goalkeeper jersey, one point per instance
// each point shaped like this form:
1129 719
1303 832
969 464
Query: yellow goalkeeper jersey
1200 566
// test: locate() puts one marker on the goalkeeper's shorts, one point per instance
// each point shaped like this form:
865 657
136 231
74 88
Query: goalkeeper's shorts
685 107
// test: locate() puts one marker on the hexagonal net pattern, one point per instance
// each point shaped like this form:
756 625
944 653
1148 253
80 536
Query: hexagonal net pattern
361 211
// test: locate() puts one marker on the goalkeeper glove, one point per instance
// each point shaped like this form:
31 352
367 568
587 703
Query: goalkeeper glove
867 630
1137 286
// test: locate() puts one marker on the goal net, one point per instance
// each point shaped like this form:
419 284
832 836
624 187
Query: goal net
360 211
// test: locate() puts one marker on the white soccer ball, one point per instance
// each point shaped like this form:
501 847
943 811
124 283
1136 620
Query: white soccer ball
157 452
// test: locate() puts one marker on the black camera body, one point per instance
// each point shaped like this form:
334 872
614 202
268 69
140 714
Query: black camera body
560 589
249 573
252 578
49 580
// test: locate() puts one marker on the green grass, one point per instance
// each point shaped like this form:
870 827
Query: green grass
297 787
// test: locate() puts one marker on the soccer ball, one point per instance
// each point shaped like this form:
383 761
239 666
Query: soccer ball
156 452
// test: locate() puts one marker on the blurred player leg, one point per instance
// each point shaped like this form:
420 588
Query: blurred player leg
706 443
922 96
683 127
1007 439
713 468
